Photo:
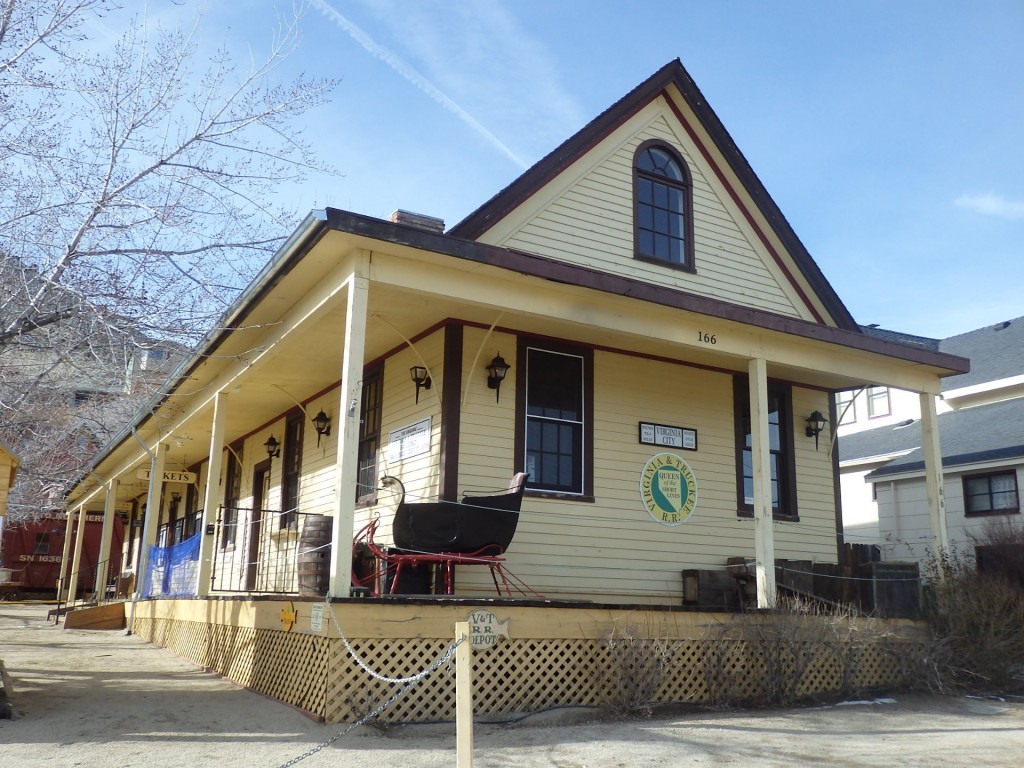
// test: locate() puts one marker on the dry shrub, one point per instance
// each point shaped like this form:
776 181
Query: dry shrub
638 661
797 651
976 618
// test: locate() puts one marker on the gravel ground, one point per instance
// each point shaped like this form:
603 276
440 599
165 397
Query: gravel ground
106 699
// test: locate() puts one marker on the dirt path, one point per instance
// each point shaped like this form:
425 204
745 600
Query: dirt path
106 699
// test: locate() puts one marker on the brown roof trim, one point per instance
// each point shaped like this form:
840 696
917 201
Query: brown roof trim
673 73
585 277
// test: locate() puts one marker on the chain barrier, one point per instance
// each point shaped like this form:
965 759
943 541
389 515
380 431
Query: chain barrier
408 683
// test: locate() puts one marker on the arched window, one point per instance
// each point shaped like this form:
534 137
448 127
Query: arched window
664 206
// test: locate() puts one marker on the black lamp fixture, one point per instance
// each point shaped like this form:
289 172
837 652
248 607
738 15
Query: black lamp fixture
420 378
273 447
322 425
815 423
496 374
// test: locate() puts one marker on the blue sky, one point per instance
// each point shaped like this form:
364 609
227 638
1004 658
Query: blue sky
891 134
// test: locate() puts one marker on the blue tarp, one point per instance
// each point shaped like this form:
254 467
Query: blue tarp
173 571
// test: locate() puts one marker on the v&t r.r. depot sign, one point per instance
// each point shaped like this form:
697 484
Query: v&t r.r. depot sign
169 477
485 630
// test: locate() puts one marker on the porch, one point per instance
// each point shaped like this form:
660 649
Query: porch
264 553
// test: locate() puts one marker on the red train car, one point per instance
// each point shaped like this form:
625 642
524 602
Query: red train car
31 554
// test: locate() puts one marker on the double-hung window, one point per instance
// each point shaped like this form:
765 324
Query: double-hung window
663 206
846 405
991 494
370 415
291 469
878 402
232 494
554 425
780 447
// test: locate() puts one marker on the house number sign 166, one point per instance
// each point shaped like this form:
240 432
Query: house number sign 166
706 338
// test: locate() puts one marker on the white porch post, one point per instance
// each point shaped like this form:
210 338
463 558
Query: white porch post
933 473
103 559
346 471
212 494
760 453
66 568
152 519
76 562
62 573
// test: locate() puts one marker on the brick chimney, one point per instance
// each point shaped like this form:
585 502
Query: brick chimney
418 220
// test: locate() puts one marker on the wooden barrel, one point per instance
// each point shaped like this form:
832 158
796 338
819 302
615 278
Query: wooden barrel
314 561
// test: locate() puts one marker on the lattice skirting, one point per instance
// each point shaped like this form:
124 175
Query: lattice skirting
317 674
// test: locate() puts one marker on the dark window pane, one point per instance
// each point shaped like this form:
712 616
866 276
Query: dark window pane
677 251
675 226
646 242
549 469
661 221
661 196
645 214
645 190
661 249
566 465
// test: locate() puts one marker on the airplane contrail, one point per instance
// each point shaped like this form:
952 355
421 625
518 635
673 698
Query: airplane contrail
409 73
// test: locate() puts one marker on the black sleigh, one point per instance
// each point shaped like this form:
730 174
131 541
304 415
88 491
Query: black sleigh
480 525
475 531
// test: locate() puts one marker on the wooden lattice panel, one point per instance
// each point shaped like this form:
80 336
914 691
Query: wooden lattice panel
292 667
822 671
352 692
531 675
317 674
685 680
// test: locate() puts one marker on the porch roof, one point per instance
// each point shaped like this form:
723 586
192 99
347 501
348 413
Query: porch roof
298 299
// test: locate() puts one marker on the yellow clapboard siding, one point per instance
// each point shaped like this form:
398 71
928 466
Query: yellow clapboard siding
590 222
610 547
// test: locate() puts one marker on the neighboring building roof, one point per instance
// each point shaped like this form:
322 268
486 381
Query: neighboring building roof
969 436
882 441
995 351
901 338
672 74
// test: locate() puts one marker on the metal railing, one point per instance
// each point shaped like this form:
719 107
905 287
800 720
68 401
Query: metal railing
256 550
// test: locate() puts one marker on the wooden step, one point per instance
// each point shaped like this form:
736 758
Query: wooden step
108 616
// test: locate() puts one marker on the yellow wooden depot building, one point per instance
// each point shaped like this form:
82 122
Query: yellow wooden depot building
671 352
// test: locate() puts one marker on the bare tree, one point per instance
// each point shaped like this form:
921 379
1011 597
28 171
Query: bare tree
139 191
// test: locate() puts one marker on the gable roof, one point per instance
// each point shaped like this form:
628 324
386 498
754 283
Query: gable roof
995 351
671 75
969 436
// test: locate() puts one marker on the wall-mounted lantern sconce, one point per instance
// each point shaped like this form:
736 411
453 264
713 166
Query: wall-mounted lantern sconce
419 377
496 374
322 425
815 423
273 447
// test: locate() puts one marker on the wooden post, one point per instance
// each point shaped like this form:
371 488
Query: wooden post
463 696
103 558
347 469
65 558
933 473
151 522
211 494
760 453
76 560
